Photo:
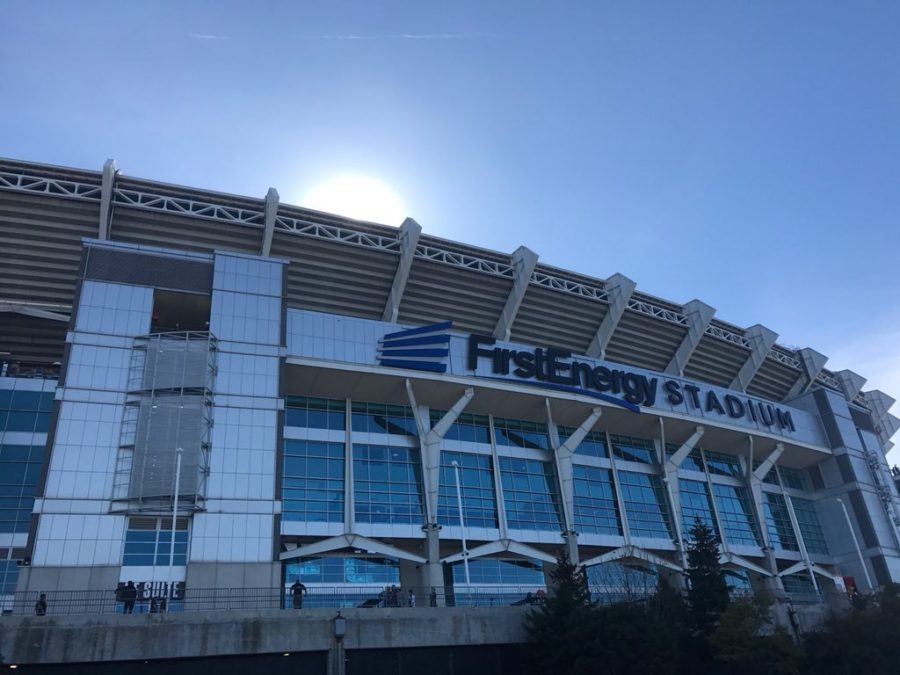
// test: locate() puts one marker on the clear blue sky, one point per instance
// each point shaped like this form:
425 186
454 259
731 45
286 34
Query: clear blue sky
743 153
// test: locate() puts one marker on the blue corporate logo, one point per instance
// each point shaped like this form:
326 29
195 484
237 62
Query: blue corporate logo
423 348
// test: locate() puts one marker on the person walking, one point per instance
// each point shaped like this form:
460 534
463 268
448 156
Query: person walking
411 598
432 598
40 607
297 591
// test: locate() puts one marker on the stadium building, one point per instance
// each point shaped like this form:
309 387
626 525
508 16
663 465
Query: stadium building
357 405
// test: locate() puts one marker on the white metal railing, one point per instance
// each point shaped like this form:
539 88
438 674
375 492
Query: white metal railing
190 207
465 261
50 186
568 286
787 360
728 336
828 380
336 233
648 308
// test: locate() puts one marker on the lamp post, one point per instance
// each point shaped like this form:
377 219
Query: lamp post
862 560
462 522
171 590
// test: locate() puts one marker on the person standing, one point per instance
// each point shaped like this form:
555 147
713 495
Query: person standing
129 596
411 598
40 607
297 591
433 597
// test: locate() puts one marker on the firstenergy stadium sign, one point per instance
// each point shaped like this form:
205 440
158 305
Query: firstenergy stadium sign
554 368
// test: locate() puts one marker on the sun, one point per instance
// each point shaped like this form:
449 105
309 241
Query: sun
357 196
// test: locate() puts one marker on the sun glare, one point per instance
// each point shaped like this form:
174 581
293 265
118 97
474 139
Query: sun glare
357 196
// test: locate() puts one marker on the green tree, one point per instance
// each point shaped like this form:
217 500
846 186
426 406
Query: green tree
707 592
863 640
559 630
746 642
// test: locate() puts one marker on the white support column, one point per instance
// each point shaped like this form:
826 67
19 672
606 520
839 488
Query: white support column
619 289
762 340
850 382
802 544
885 424
349 495
430 449
409 237
670 466
563 454
498 484
524 261
813 363
620 502
430 442
269 228
106 190
754 479
698 315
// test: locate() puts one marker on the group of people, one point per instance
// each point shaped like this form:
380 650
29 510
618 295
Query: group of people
394 597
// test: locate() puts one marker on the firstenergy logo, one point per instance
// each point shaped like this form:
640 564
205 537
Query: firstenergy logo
552 368
423 348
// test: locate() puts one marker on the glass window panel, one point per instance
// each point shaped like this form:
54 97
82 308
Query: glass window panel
736 515
810 528
645 505
476 474
521 434
389 490
723 465
530 494
596 509
778 523
632 449
695 505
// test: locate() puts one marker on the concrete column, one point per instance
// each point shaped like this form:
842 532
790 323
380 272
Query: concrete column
430 448
698 315
409 237
433 571
761 339
619 289
850 382
524 261
670 466
674 578
106 193
813 363
271 211
563 455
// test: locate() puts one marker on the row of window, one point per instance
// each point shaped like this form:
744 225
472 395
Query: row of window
388 489
319 413
20 470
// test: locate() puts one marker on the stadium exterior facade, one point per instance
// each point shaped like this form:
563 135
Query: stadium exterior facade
349 403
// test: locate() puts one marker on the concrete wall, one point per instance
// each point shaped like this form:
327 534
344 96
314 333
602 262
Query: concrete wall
73 639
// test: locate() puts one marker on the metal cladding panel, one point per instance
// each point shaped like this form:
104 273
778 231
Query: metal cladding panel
40 245
716 361
437 292
165 424
548 317
773 380
32 340
138 226
643 341
133 267
328 276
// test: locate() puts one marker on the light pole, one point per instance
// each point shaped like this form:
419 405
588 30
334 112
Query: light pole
462 521
862 560
171 591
